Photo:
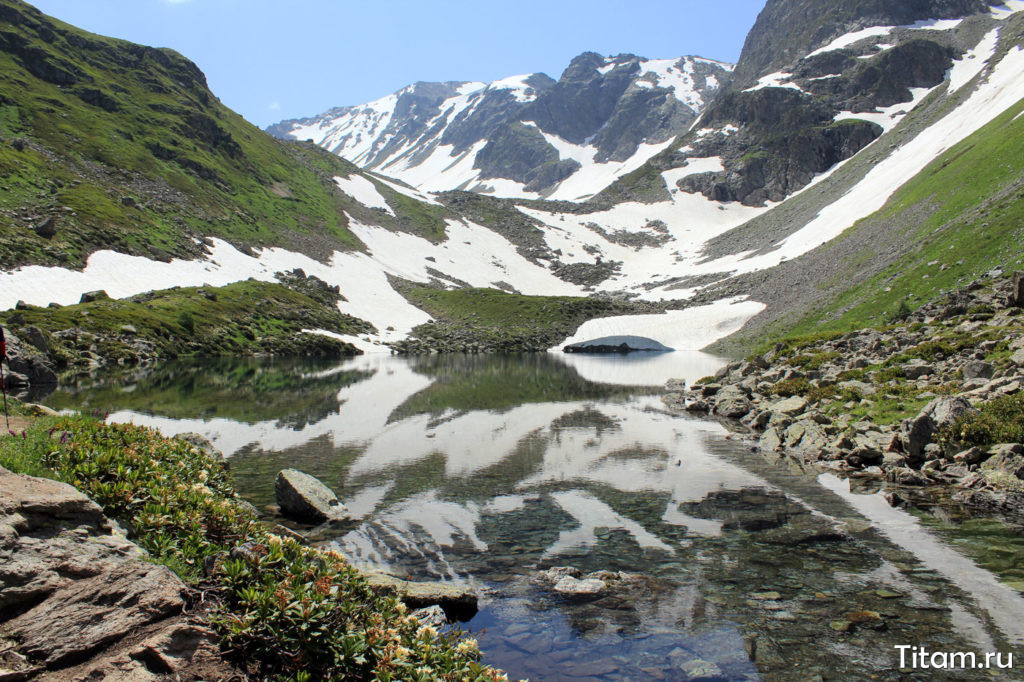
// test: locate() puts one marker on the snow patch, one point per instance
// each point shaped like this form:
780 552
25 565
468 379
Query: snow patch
971 64
363 191
683 330
1007 9
851 38
779 79
888 117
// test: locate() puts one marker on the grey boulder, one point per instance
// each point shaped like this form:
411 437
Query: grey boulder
304 498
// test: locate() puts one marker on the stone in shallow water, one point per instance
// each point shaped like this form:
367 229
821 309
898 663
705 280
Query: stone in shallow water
580 588
304 498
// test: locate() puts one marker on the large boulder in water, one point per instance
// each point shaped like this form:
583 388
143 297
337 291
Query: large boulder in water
304 498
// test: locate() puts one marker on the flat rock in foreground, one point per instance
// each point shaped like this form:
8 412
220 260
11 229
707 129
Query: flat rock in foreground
72 588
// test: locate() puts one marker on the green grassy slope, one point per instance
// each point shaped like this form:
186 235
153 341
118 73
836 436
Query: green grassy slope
124 146
243 318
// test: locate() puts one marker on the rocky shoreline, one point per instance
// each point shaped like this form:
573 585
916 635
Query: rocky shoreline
927 401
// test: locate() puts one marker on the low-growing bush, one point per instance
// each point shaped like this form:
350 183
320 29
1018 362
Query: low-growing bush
791 387
998 421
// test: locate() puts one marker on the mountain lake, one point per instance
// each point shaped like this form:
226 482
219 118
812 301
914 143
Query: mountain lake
490 470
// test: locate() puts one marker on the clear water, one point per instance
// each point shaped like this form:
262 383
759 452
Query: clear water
490 469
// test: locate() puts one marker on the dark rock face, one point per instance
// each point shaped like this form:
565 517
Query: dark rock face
27 366
788 29
304 498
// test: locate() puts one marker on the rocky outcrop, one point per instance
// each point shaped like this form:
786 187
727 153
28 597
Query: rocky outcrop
304 498
74 592
29 369
913 382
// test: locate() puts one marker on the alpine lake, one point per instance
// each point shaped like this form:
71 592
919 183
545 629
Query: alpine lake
720 563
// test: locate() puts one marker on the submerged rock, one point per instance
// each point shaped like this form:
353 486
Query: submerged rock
304 498
458 601
575 587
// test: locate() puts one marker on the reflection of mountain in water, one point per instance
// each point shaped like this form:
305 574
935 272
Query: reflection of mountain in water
490 469
286 390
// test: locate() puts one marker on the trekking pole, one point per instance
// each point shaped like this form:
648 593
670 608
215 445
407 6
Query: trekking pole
3 379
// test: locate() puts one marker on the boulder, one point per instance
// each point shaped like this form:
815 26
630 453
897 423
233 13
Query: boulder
971 456
433 616
576 587
93 296
790 406
861 387
203 443
1018 358
46 228
304 498
1006 459
1016 297
770 440
978 369
916 368
732 402
943 411
458 601
69 583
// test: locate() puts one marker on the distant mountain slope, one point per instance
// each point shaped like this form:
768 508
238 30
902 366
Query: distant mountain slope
525 136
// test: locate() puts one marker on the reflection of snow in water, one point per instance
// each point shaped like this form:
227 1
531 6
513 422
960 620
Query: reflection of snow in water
642 369
591 513
1004 605
576 450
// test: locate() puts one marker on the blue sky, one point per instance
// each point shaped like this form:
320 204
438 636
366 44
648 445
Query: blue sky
271 60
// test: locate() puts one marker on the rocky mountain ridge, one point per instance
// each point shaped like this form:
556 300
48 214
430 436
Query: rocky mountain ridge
525 135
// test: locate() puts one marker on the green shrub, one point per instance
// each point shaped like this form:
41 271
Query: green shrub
997 421
187 321
791 387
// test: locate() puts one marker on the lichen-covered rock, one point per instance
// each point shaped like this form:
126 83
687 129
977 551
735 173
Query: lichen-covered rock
304 498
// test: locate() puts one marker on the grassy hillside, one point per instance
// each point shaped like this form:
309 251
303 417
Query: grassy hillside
109 144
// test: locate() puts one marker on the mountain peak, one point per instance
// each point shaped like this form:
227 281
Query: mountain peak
526 135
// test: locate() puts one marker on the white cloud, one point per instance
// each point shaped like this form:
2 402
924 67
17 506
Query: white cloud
273 106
